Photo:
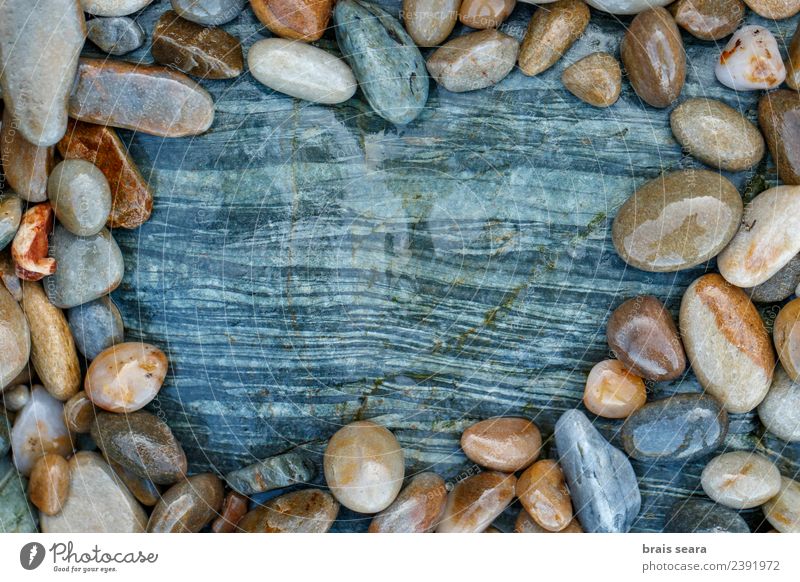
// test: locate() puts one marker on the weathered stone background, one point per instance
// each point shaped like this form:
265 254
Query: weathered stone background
306 265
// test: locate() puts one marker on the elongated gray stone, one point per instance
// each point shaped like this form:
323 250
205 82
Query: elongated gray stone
272 473
604 490
209 12
386 62
117 35
39 51
700 516
16 514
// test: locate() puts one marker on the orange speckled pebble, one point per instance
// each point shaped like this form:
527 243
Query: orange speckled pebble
526 524
543 493
48 487
612 391
416 510
126 377
475 502
505 444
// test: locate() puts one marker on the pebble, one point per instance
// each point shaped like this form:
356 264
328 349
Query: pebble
526 524
768 238
727 343
740 480
132 198
305 511
778 287
612 391
774 9
113 7
595 79
708 19
10 215
364 466
301 70
97 501
783 510
642 334
25 165
16 514
48 487
144 490
430 22
8 276
385 61
600 478
96 326
717 134
234 508
209 53
32 60
88 267
417 509
272 473
474 61
543 492
79 413
126 377
53 352
777 115
15 398
780 410
552 30
147 98
475 502
505 444
792 62
209 12
677 221
700 516
625 6
15 338
117 35
187 506
751 60
786 335
485 13
39 429
142 443
29 247
304 20
654 58
80 196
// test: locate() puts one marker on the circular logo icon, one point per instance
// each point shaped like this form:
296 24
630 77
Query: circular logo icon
31 555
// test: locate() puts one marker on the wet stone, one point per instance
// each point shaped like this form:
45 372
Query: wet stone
774 9
741 479
625 6
387 64
526 524
473 61
778 287
476 502
10 215
209 12
143 489
188 506
613 391
699 516
142 443
304 20
96 326
542 490
113 7
80 196
117 35
786 334
79 413
485 13
642 334
39 429
551 31
779 118
15 339
25 165
15 398
780 410
8 275
126 377
417 509
677 221
792 62
48 487
595 79
16 514
783 510
751 61
234 508
305 511
209 53
600 478
430 22
708 19
88 267
271 473
504 444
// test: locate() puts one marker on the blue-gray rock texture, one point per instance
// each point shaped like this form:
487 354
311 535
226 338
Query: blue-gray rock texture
308 265
702 516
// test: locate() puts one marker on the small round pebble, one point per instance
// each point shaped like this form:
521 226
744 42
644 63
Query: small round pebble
543 492
417 508
596 79
505 444
612 391
475 502
126 377
16 397
96 326
187 506
80 196
751 61
209 12
48 487
780 409
79 413
740 479
783 510
117 35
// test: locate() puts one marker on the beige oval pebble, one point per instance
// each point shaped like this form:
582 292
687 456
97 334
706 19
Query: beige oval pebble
126 377
475 502
301 70
473 61
79 413
780 410
526 524
543 492
740 479
783 510
416 510
113 7
364 466
551 31
430 22
505 444
768 238
786 334
717 134
39 429
613 391
595 79
15 338
774 9
48 487
485 13
727 343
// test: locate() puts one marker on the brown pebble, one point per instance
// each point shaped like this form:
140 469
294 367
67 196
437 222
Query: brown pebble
475 502
143 489
485 13
779 118
774 9
234 509
612 391
504 444
294 19
551 31
708 19
786 333
79 413
595 79
417 508
187 506
48 487
25 165
543 492
526 524
306 511
792 62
